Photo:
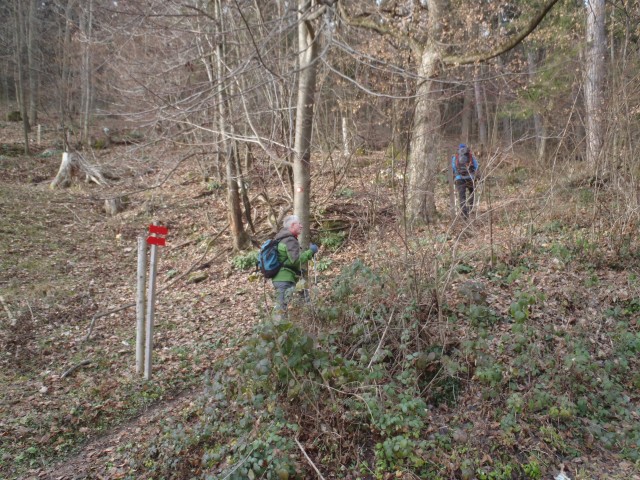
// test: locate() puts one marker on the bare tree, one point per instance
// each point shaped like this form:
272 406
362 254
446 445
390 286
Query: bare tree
86 25
21 64
240 238
427 44
538 119
32 59
596 43
307 58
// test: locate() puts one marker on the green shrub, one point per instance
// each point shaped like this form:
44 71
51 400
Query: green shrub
521 308
346 193
245 261
14 116
517 176
323 264
332 240
480 315
213 185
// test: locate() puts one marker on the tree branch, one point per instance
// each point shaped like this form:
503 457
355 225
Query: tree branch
313 465
513 42
366 22
74 368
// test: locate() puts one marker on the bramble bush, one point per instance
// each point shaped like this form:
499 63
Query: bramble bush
359 374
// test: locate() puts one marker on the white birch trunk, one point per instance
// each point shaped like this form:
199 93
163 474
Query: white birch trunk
345 138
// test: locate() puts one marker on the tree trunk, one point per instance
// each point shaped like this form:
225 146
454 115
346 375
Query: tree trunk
538 120
594 78
507 132
87 72
467 108
5 82
480 112
33 64
74 164
308 51
423 153
20 63
241 240
242 185
65 72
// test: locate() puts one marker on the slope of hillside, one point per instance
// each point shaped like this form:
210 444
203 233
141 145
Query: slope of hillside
505 347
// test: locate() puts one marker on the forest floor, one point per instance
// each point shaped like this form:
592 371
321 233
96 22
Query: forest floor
64 261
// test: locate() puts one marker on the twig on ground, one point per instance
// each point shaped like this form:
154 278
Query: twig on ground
74 368
384 334
33 317
308 459
100 315
74 214
183 244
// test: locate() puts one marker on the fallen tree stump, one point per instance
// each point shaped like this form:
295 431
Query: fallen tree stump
73 164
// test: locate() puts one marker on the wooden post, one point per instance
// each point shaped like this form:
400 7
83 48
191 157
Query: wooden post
39 133
150 311
142 274
345 137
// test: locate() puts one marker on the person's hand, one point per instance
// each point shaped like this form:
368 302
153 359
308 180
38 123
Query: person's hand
314 248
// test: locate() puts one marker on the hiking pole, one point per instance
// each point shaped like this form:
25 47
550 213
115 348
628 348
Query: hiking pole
315 270
266 298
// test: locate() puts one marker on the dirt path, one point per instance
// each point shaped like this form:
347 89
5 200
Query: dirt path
101 457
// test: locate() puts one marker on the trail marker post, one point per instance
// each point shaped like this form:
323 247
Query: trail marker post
156 239
142 281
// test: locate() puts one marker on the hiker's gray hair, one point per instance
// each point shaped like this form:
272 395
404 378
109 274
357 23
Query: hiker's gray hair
290 220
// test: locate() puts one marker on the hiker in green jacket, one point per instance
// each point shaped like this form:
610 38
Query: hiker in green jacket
291 258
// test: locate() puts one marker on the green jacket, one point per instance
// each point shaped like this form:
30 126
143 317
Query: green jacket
290 256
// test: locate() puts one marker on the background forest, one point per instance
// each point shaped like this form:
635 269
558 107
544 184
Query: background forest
500 347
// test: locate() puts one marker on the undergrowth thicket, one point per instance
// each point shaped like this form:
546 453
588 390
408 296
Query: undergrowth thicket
391 375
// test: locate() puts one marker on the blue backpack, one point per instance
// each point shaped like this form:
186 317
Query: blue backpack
268 261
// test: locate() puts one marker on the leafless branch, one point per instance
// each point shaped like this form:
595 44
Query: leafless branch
74 368
313 465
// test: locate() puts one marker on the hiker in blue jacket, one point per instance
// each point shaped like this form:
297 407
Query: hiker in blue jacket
465 172
291 257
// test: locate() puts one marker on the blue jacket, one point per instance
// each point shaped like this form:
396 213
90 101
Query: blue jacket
467 177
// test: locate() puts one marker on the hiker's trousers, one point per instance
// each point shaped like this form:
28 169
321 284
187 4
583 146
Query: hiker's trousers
283 294
465 190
